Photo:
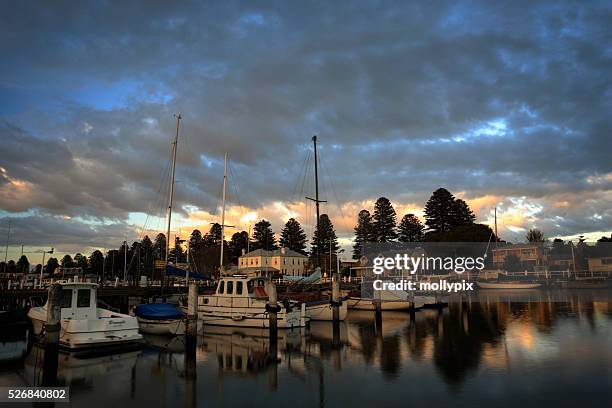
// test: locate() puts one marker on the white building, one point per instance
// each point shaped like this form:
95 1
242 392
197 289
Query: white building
282 261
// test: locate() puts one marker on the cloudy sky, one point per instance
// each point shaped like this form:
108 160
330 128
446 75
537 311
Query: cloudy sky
506 105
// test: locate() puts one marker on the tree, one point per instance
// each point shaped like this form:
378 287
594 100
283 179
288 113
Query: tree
293 236
159 247
410 229
535 235
239 241
384 221
177 254
23 265
364 233
96 263
213 238
463 233
462 214
51 266
439 211
147 256
263 236
324 241
67 261
512 263
81 261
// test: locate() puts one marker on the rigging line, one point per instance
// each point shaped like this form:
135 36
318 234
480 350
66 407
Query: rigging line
234 184
334 190
306 176
294 193
150 209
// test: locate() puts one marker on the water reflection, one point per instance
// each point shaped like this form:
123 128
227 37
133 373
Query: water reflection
478 350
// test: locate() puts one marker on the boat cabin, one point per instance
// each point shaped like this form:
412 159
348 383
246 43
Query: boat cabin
79 300
242 286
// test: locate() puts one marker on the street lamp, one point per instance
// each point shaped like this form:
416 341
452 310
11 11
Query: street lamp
42 266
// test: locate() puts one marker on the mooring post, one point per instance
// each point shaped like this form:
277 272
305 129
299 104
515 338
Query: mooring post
52 335
190 345
336 302
273 309
378 314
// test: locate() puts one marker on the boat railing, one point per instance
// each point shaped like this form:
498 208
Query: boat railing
109 307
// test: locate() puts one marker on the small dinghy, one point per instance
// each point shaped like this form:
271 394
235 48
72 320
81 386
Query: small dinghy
160 318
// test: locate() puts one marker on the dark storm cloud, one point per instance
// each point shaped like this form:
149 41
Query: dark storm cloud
487 98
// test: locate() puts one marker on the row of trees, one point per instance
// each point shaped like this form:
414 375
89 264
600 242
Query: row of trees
447 218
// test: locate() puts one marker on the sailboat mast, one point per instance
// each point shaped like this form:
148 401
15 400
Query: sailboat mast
316 168
496 237
223 209
171 189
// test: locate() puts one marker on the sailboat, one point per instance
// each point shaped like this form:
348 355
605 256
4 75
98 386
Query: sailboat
240 301
164 318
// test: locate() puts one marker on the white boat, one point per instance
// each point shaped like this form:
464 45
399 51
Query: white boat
322 310
508 285
174 327
83 324
240 301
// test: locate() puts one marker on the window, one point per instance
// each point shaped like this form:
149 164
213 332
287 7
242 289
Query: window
66 300
606 261
250 285
83 298
221 287
292 261
239 288
230 288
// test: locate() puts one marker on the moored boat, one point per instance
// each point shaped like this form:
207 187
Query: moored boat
160 318
508 285
83 324
322 310
241 301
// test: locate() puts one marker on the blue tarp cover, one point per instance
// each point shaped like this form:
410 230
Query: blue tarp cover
174 271
158 311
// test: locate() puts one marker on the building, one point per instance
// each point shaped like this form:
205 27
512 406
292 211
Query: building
283 261
600 264
531 256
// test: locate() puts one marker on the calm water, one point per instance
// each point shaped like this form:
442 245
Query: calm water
499 353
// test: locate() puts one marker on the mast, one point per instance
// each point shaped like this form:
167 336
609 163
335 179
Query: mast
223 209
171 189
8 237
316 199
496 237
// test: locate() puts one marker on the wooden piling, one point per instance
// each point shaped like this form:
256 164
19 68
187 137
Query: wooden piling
190 345
52 335
273 309
336 301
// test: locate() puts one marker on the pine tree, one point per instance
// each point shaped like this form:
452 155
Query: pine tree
293 236
384 221
67 261
364 233
439 211
263 236
324 236
147 255
81 261
213 238
239 241
159 247
410 229
462 214
96 262
23 265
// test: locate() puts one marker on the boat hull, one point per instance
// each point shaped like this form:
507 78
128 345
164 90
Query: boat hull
508 285
108 329
171 327
322 311
249 317
368 304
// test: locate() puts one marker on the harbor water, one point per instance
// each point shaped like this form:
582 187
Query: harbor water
489 351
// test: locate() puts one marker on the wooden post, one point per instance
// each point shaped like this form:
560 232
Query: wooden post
273 308
378 315
190 345
336 302
52 335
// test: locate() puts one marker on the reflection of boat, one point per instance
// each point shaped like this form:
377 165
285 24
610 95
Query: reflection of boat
83 324
241 301
160 318
585 284
508 285
174 344
322 310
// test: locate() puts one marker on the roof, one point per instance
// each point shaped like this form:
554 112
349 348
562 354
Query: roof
275 252
258 269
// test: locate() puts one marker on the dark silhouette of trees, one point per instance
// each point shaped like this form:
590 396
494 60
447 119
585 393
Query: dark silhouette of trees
535 235
293 236
239 241
96 263
384 221
324 241
410 229
263 236
23 265
364 233
52 264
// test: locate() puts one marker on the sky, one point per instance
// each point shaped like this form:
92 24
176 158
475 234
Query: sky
505 104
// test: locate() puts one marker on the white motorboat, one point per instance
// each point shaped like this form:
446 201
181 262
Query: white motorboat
240 301
508 285
160 318
83 324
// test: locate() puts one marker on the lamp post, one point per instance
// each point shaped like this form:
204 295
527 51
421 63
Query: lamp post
42 266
